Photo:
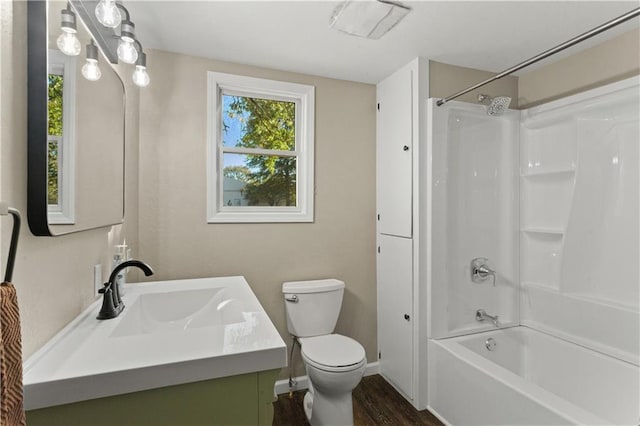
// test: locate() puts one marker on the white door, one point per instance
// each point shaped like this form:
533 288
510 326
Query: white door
395 312
394 154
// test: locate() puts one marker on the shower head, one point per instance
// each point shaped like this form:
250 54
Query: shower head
495 106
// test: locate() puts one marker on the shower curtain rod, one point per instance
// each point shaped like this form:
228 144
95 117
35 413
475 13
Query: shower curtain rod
595 31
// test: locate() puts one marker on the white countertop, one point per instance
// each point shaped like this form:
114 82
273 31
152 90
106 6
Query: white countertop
91 358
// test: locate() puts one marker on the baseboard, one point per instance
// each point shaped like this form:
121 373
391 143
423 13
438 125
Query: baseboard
438 416
301 382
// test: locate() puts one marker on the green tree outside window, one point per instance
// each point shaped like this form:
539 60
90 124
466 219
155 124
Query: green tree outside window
265 124
54 106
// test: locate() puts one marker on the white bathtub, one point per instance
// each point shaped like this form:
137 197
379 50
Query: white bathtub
530 378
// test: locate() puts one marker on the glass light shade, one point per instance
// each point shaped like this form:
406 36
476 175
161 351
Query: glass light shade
127 51
91 70
108 14
69 44
140 76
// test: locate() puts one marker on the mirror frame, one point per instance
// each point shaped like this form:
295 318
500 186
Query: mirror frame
37 105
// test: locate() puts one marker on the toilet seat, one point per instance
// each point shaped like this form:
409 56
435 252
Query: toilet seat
332 352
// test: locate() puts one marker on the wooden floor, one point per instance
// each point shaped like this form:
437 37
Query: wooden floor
375 402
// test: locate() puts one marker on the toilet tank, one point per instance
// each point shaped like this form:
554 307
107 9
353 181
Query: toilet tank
312 307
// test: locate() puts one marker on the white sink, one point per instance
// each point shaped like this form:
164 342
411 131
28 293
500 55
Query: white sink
175 311
170 332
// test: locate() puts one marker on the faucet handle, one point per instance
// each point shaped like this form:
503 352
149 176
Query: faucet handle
111 306
108 309
480 271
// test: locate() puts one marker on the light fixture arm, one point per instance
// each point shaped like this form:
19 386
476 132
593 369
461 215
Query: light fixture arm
142 57
127 27
138 45
124 9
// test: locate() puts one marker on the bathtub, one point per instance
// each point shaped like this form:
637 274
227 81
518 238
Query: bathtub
529 378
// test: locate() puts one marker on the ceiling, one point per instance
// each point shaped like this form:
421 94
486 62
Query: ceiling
295 36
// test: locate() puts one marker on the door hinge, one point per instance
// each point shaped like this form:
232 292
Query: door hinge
378 216
379 355
378 249
378 106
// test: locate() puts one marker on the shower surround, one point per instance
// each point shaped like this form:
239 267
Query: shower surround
550 197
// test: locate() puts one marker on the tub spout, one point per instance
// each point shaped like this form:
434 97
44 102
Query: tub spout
482 315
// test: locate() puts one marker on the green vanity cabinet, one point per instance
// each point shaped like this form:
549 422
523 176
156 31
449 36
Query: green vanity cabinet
237 400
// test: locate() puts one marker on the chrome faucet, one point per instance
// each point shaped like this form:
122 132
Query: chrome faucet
112 304
480 271
482 315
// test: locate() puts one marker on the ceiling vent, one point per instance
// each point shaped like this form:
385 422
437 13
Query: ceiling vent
369 19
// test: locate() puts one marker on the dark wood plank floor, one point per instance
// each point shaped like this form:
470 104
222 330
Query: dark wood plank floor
375 402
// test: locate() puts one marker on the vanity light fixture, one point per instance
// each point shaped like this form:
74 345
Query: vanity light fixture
368 19
140 75
68 42
117 45
126 49
108 14
111 14
91 70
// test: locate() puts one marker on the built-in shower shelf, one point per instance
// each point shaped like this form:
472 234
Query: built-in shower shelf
551 231
540 173
538 285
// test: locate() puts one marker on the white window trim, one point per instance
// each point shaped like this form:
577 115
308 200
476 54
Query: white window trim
304 96
63 213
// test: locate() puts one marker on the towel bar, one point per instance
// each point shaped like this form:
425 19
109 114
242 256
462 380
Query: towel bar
15 235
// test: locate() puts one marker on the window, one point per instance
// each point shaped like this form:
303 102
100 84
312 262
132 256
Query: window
260 150
60 141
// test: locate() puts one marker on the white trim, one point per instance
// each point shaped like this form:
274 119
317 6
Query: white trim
302 382
260 151
304 98
64 212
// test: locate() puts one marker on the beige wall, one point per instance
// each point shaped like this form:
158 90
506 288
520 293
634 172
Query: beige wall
175 237
53 276
445 80
610 61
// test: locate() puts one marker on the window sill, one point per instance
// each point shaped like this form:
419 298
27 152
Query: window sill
260 217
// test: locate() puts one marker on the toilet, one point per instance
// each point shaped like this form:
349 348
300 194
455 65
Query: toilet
335 364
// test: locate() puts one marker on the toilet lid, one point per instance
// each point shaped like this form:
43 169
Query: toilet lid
332 350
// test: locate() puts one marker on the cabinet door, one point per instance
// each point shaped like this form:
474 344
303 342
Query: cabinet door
394 139
395 311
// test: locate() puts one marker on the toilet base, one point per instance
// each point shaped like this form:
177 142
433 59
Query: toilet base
307 404
328 411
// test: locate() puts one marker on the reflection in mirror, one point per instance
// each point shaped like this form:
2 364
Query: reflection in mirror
60 140
76 128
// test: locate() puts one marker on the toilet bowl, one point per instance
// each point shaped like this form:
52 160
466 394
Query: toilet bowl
335 363
328 400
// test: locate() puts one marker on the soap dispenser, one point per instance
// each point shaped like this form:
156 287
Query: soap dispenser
120 256
117 259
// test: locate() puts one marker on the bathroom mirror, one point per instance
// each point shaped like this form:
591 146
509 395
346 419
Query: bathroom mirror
75 132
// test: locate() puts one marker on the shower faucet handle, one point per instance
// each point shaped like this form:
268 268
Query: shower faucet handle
480 271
